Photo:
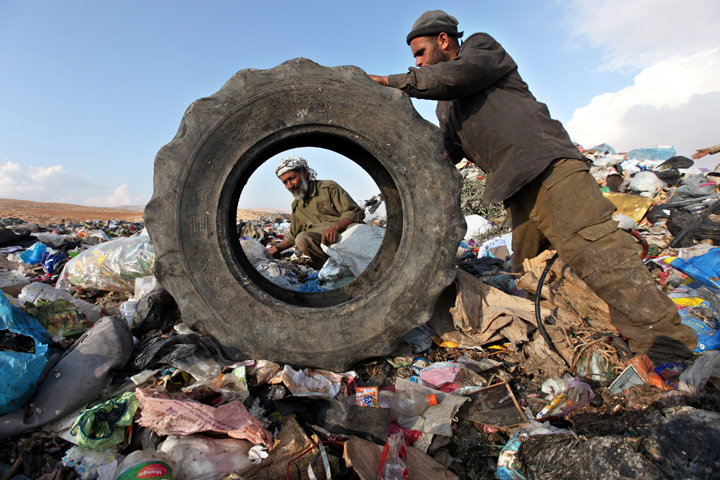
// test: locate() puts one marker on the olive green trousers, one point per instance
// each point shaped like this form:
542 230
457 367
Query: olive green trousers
564 207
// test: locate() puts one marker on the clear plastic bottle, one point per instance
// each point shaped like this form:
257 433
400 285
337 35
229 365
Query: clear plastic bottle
410 403
43 291
146 464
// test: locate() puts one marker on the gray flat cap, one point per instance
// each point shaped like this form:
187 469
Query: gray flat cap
434 22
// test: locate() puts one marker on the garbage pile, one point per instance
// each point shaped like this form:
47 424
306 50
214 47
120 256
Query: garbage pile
101 378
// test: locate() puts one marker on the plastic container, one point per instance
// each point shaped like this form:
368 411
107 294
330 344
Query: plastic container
42 291
145 464
406 404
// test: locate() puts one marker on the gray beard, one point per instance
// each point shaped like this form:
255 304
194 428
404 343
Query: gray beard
302 191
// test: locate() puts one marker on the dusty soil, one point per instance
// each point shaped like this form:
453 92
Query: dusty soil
55 213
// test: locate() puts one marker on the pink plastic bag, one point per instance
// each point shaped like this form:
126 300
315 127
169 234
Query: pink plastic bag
441 372
167 415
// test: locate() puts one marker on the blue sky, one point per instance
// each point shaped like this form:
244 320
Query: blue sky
90 91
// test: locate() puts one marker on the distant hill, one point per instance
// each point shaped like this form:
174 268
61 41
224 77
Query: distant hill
46 213
132 208
269 210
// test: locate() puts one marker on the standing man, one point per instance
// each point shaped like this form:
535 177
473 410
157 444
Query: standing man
322 210
488 115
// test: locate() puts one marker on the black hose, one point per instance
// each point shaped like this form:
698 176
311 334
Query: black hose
538 317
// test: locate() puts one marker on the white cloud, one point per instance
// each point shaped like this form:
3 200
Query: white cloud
54 184
41 184
660 92
121 196
638 33
675 96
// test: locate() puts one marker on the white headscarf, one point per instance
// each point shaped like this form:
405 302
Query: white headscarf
294 163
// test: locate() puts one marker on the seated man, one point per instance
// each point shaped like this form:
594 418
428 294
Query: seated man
322 210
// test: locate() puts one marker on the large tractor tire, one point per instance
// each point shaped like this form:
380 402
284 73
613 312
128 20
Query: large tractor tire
224 138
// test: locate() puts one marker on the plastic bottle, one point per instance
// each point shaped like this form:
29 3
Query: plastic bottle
410 403
145 464
42 291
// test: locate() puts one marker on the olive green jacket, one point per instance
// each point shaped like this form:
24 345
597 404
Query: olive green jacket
326 203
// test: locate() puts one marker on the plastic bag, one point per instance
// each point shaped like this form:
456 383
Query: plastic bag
20 371
694 378
393 461
704 269
33 254
220 456
111 266
646 182
277 274
700 315
104 425
355 249
625 222
54 239
556 385
254 251
477 226
42 291
171 416
60 318
87 463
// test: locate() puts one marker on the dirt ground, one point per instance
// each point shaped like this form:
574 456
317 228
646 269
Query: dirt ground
55 213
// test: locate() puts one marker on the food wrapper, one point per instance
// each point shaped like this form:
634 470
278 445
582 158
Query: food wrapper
366 397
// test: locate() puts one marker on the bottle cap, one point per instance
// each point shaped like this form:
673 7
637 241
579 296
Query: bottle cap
433 399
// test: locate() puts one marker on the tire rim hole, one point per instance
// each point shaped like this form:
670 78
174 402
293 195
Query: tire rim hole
337 149
265 193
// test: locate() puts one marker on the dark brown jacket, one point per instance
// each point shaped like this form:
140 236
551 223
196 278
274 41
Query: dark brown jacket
489 116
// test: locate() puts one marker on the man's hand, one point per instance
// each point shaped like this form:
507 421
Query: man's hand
331 235
276 250
700 153
381 80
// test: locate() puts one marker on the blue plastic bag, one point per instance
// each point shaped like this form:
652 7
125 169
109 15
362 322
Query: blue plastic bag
33 254
19 372
704 269
705 327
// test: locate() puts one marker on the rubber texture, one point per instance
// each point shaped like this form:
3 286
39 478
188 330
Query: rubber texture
224 138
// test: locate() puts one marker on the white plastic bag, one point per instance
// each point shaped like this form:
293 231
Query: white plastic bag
355 249
254 251
198 457
477 226
625 222
646 181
